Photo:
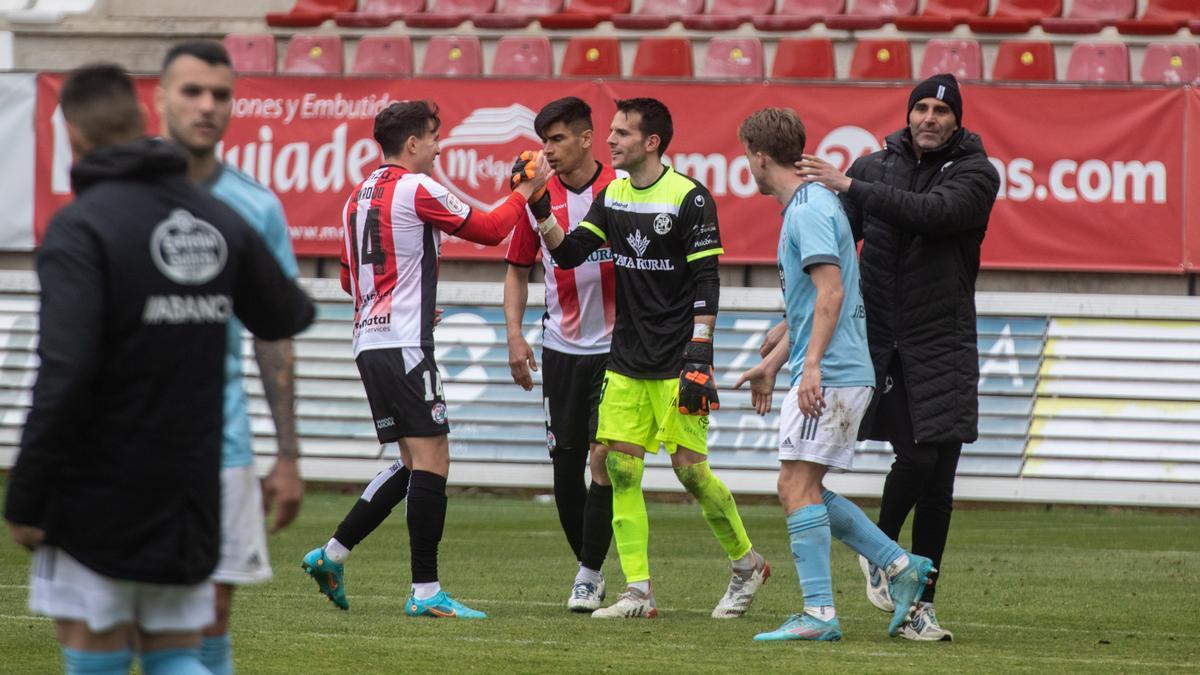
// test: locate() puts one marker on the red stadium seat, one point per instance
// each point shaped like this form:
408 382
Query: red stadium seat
728 14
592 57
795 15
251 53
881 60
585 14
384 55
869 14
1162 17
1090 16
657 14
663 57
449 13
1025 61
804 60
943 15
516 13
1016 16
309 13
453 55
377 13
1098 62
1171 63
962 58
313 55
733 59
523 56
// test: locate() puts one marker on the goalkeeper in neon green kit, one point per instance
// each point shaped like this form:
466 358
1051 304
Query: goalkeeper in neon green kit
662 229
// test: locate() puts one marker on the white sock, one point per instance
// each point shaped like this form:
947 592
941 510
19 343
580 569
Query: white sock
747 562
897 566
827 613
586 574
643 586
426 591
336 552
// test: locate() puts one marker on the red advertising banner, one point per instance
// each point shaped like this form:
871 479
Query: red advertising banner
1191 143
1093 179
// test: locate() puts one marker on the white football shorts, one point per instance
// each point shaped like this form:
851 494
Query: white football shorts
244 558
830 438
62 588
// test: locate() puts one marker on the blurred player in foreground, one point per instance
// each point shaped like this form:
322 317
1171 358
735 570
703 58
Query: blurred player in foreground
117 485
832 382
394 221
195 101
576 332
659 386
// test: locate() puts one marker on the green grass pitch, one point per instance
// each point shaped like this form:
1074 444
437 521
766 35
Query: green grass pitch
1026 590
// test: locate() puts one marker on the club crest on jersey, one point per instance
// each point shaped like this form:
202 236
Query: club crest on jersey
455 205
438 413
551 441
477 154
187 250
639 242
662 224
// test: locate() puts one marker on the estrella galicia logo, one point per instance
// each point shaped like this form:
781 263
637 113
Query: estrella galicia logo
639 242
438 413
188 250
662 223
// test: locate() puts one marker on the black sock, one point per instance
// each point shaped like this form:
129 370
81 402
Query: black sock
426 521
388 489
597 526
570 495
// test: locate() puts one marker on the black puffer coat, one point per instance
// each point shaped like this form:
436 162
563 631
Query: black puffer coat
922 224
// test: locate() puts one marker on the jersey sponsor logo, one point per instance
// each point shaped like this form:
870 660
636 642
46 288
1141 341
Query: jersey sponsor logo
706 241
374 324
438 413
639 242
183 309
385 422
187 250
647 264
477 155
662 224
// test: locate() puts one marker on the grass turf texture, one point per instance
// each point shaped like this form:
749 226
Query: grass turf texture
1026 590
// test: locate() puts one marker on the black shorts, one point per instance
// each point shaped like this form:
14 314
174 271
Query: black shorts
571 397
404 390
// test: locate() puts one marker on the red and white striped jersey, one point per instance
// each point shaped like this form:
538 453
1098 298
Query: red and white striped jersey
580 302
393 223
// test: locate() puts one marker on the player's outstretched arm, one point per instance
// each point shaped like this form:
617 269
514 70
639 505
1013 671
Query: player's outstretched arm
490 228
762 377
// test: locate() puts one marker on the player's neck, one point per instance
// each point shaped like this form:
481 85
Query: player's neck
202 167
580 175
647 173
784 186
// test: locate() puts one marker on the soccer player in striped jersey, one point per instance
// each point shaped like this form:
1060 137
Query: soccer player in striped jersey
832 382
394 221
195 102
576 331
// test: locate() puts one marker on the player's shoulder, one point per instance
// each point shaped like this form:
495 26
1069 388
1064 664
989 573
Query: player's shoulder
251 199
242 182
684 185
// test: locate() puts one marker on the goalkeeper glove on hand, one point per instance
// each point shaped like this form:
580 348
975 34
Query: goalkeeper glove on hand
697 386
522 170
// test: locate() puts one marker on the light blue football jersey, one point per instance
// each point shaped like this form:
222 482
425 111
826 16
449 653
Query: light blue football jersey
816 231
259 207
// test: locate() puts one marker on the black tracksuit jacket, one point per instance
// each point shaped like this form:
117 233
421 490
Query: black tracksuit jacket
121 452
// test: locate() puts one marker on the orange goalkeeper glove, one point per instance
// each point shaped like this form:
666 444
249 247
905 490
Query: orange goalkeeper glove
522 170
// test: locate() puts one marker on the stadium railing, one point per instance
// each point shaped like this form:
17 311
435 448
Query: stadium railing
1084 398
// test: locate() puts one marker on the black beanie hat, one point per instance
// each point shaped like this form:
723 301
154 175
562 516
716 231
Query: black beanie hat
944 88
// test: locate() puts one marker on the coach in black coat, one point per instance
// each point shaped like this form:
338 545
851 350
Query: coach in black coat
921 208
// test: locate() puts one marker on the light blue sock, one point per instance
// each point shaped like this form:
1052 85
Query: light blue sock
808 529
97 663
173 662
216 653
853 528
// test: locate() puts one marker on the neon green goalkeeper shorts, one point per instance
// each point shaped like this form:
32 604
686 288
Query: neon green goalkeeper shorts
645 413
